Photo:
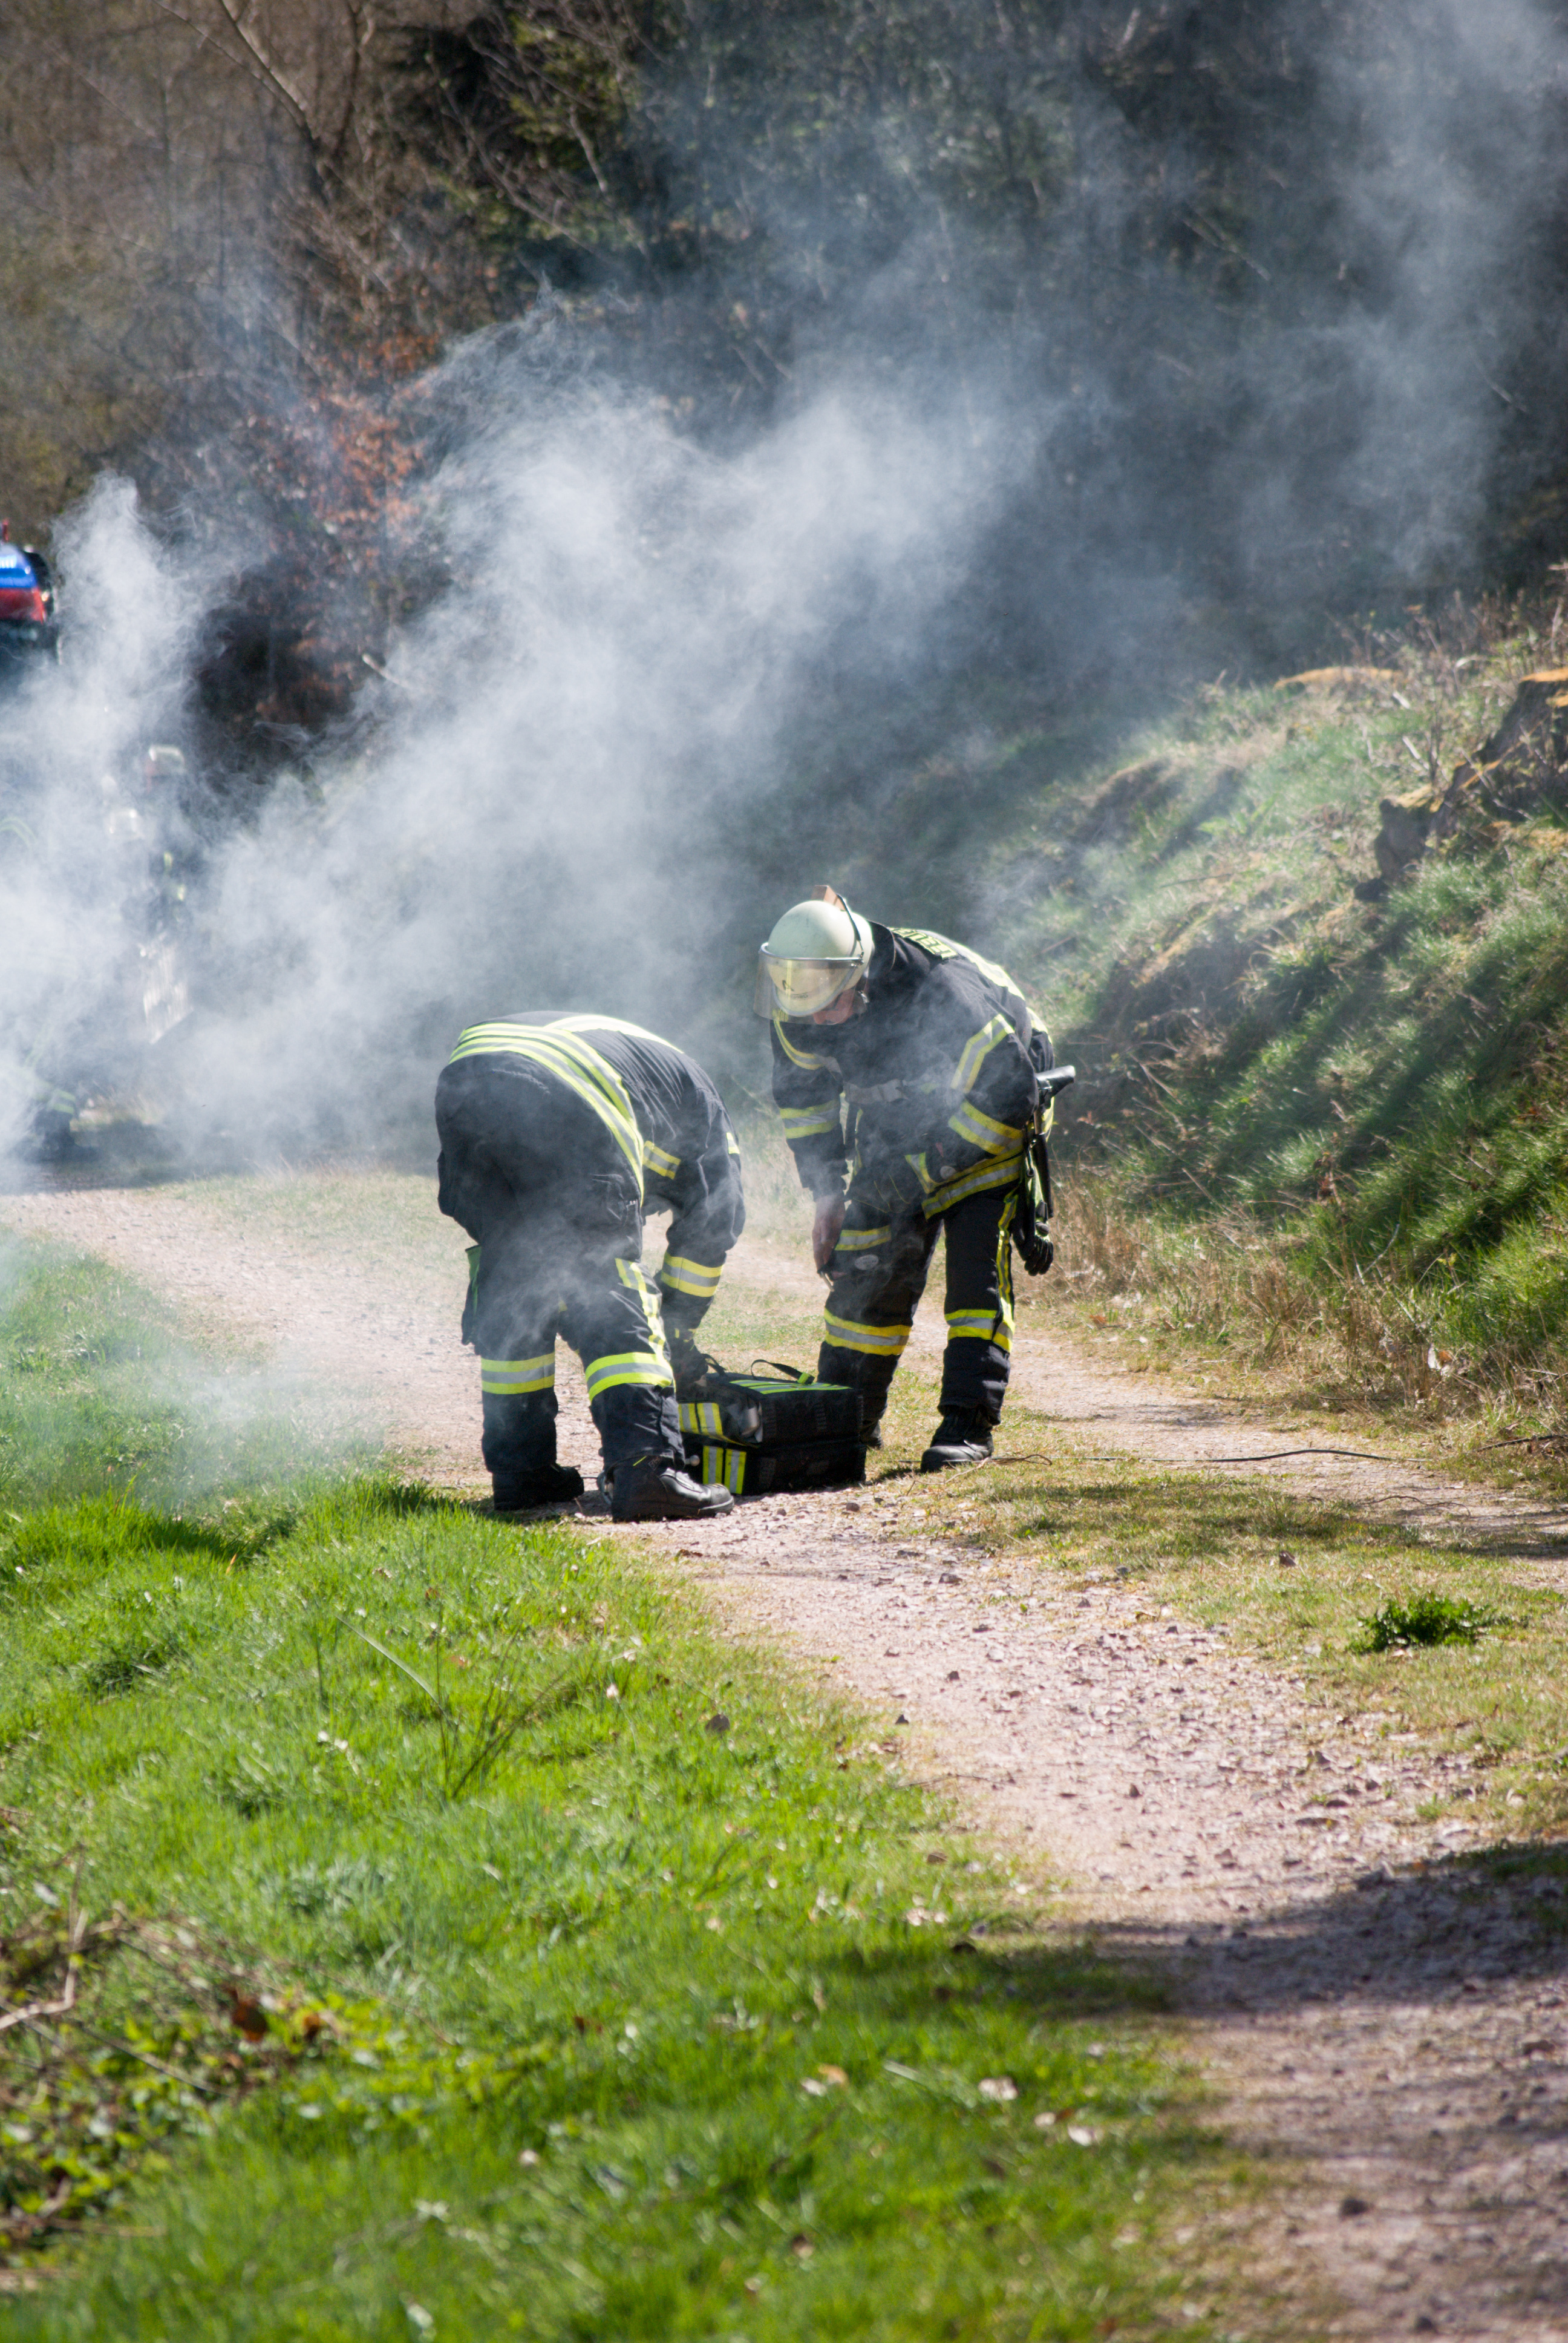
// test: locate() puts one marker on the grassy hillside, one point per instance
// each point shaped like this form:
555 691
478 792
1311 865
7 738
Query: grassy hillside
1304 1117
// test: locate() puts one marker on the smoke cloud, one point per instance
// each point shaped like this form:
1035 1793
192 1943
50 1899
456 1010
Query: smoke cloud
550 797
681 668
72 866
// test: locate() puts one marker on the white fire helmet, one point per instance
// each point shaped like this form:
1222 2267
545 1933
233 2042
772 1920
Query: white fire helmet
819 950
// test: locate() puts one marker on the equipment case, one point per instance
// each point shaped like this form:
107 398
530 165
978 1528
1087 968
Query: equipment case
756 1433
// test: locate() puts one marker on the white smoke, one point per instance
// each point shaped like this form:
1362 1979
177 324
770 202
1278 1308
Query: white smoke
611 719
1379 402
72 872
546 810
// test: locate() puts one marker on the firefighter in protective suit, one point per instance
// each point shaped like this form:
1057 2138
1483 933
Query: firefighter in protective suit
556 1130
936 1056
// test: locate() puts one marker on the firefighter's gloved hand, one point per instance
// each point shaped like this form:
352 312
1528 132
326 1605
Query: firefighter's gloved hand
826 1229
688 1362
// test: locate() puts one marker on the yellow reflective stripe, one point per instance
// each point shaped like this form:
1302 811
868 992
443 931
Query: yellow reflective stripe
807 1122
999 1173
695 1277
796 1057
659 1160
980 1326
504 1378
630 1275
996 1138
572 1061
978 1049
700 1415
733 1145
879 1342
624 1367
862 1240
1004 1266
726 1466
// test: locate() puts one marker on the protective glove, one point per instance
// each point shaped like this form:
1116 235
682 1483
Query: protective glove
688 1362
827 1227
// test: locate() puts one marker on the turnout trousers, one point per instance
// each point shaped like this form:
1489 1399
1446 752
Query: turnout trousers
878 1273
554 1210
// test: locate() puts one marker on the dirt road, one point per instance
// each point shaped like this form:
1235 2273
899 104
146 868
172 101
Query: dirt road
1394 2041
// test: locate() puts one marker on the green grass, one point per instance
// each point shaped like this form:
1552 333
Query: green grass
101 1392
643 2025
1426 1619
1293 1582
1357 1112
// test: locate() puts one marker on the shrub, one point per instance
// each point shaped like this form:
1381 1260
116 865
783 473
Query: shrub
1424 1619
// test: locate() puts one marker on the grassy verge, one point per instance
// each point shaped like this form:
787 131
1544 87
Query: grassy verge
1317 1136
460 1939
101 1393
1488 1719
1248 1312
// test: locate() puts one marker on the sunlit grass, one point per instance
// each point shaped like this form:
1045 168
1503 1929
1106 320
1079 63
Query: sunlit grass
659 2022
1322 1136
101 1389
1295 1580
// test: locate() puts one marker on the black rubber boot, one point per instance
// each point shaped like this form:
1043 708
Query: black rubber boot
518 1447
958 1440
654 1490
546 1484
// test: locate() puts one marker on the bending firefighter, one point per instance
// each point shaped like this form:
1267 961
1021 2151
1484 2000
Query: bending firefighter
935 1055
555 1132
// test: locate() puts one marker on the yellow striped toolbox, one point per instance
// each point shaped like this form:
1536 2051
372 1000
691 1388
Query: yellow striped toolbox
760 1432
772 1410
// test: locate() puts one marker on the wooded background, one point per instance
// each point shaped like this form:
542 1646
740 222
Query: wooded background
237 237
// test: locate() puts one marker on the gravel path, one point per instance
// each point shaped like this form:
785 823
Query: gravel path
1393 2039
1162 1424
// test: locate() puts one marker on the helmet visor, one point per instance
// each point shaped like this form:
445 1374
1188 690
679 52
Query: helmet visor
799 988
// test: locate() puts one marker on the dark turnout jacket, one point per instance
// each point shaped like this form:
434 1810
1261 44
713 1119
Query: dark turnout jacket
665 1113
929 1094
